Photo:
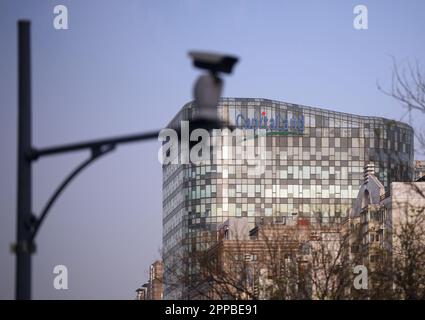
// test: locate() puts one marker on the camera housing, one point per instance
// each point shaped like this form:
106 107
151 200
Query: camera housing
213 62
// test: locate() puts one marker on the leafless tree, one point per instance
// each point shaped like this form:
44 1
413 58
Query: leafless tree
330 267
279 262
409 256
400 273
408 88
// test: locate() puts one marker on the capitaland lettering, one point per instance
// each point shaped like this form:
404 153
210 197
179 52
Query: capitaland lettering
260 121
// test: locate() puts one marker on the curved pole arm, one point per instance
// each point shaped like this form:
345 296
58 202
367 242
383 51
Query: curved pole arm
96 153
92 144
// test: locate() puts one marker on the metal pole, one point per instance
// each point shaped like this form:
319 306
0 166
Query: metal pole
23 247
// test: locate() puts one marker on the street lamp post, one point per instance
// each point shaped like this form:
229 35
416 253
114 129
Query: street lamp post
27 223
23 247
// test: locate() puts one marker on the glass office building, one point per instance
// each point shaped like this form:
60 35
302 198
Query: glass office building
313 169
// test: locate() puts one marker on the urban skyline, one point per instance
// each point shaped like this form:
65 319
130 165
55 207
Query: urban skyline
314 173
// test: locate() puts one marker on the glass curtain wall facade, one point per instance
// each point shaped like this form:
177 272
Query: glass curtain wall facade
314 168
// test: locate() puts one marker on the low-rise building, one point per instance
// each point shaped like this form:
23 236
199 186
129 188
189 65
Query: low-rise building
142 292
270 261
419 169
381 220
153 289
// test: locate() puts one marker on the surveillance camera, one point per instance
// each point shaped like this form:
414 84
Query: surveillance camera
207 93
213 62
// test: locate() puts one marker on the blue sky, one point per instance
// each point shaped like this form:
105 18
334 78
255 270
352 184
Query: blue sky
122 67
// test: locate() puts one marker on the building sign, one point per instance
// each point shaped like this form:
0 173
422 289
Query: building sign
274 125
